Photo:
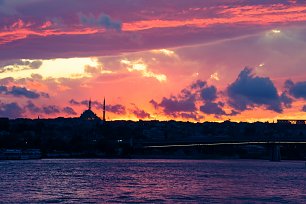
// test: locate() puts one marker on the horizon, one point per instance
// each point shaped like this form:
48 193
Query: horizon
156 120
196 61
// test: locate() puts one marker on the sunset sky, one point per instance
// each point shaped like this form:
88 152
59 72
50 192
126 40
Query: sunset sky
195 60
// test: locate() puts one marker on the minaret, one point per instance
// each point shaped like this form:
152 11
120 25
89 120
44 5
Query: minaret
89 104
104 109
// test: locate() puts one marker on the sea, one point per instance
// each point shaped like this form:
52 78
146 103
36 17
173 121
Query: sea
152 181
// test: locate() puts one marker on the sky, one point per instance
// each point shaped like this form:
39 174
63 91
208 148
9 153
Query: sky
238 60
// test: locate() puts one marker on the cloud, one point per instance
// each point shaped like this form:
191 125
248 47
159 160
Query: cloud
154 25
141 114
93 70
74 102
210 107
185 101
173 104
193 116
32 108
102 20
286 100
51 109
116 108
213 108
22 92
196 97
19 65
209 93
48 110
304 108
297 90
10 110
199 84
140 66
6 80
3 89
69 111
154 103
95 104
249 91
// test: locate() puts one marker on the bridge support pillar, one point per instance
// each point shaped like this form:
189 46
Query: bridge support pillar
275 153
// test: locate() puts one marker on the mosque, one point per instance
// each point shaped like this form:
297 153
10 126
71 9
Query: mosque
90 115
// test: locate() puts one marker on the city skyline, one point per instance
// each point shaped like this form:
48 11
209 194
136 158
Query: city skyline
190 61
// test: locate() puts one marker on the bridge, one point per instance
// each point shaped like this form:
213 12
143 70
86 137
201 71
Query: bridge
292 121
273 145
180 144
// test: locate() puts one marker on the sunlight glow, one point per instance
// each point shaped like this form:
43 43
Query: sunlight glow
273 34
276 31
165 52
72 67
215 76
140 66
55 68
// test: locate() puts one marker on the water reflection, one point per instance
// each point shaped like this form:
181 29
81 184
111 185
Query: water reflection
100 181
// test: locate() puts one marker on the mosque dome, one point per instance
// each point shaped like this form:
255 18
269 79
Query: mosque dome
89 114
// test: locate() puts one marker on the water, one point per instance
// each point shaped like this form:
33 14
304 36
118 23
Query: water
152 181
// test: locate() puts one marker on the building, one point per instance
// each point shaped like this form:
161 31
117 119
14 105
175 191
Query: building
291 121
89 114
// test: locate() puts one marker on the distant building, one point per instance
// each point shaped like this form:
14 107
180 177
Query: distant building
104 119
291 121
89 114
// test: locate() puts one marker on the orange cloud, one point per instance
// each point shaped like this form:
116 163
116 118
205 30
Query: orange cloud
260 15
21 30
246 14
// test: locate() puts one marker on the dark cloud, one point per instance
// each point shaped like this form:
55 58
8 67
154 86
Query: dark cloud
74 102
212 108
297 90
45 95
95 104
19 65
288 84
102 20
185 104
11 110
3 89
209 93
154 103
32 108
141 114
185 101
193 116
304 108
286 100
174 104
21 91
69 111
249 91
198 84
116 108
51 109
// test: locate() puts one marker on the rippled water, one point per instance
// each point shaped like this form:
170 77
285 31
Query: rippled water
152 181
